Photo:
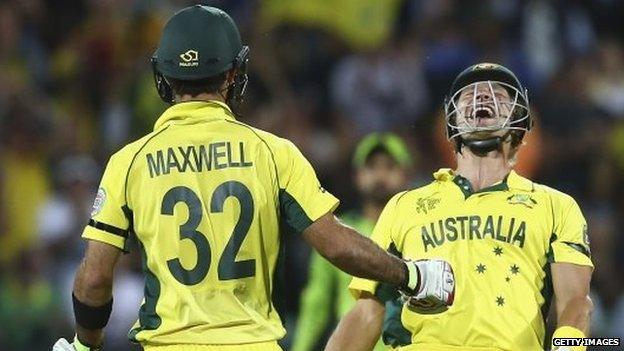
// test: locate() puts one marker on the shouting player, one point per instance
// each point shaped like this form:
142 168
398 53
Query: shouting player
381 162
207 197
511 242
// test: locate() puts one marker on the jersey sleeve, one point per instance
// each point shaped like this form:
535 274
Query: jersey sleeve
109 223
382 236
571 240
302 198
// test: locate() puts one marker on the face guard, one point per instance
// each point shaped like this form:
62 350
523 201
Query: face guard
481 113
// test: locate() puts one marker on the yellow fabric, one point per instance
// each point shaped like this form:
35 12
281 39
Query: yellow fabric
24 188
206 195
78 345
569 332
364 24
499 243
437 347
264 346
104 236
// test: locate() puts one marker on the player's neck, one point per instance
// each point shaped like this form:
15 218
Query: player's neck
200 97
483 171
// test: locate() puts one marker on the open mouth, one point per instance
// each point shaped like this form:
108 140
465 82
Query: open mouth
483 112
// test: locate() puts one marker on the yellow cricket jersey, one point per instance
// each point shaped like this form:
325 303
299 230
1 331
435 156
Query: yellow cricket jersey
500 242
207 198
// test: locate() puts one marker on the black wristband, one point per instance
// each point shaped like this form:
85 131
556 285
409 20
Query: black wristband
90 317
403 286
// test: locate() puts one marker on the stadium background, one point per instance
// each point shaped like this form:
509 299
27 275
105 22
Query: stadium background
75 85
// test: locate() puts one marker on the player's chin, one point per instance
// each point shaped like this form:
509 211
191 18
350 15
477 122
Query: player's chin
484 134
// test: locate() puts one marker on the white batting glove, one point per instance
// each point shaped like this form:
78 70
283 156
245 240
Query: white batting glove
63 345
436 286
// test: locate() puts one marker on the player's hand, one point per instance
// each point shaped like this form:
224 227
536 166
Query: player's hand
64 345
435 290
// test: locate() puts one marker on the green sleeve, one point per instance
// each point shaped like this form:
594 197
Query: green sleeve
316 304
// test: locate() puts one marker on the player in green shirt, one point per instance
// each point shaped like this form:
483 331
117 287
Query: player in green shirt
381 161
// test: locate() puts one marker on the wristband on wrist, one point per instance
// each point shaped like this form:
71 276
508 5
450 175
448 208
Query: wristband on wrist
568 332
413 278
91 317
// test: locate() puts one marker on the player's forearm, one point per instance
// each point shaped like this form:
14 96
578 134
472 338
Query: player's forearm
359 329
361 257
571 287
92 290
576 313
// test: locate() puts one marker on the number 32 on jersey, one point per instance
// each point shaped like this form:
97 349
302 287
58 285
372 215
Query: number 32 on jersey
228 268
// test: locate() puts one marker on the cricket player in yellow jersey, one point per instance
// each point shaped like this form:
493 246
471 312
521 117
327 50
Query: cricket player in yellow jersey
208 198
511 242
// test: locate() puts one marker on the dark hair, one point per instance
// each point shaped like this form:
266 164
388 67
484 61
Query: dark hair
209 85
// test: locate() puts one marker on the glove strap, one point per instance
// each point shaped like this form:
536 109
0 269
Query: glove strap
82 347
413 277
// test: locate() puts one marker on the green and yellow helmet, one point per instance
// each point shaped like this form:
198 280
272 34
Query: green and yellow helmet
200 42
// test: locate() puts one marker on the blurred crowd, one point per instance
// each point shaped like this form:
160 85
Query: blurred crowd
76 85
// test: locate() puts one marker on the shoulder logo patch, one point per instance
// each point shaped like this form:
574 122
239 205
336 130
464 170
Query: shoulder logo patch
98 203
426 204
522 199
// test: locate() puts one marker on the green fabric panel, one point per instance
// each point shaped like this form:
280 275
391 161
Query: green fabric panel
466 188
317 301
148 318
547 288
292 213
394 333
580 248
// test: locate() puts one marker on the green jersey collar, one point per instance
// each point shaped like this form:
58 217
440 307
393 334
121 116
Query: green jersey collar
511 181
195 111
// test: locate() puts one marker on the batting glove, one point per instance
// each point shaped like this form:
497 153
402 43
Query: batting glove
432 285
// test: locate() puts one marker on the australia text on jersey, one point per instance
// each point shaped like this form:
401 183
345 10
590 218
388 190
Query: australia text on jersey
217 155
504 229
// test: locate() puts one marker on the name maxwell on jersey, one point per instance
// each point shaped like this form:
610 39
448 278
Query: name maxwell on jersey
217 155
